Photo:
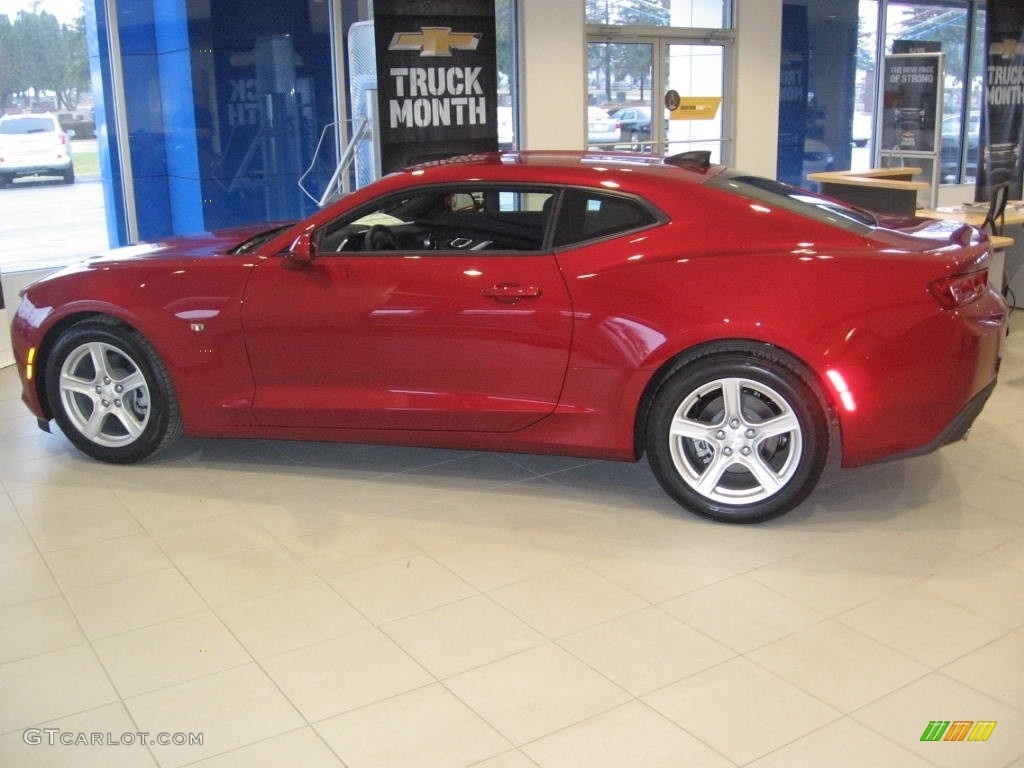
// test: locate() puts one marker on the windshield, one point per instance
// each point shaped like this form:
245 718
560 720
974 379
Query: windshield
26 125
796 200
257 240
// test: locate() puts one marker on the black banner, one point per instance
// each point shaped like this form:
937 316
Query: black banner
1002 120
793 96
437 79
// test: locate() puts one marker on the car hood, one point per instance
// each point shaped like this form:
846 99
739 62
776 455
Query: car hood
200 245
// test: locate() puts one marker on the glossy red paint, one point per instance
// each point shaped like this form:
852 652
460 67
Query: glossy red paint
552 349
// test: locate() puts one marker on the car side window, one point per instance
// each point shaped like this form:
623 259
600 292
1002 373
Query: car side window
586 215
445 219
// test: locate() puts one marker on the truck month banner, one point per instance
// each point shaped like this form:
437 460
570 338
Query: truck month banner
1003 118
437 79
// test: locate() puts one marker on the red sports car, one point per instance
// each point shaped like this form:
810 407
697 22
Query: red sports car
734 329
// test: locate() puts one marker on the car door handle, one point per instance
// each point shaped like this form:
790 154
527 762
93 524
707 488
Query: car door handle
511 292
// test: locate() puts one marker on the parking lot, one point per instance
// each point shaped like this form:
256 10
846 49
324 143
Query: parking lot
45 222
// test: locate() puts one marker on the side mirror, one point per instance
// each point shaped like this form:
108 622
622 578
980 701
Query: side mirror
302 252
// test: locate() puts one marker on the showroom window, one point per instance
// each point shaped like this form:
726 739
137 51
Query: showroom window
828 94
638 52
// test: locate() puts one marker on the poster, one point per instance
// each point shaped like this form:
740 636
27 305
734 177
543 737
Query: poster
1002 120
911 89
437 79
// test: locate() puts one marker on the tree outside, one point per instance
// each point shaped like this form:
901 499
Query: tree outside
43 63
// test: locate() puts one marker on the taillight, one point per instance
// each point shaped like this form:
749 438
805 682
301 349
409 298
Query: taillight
956 290
63 138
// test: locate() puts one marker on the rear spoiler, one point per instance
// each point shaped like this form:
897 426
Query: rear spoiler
695 159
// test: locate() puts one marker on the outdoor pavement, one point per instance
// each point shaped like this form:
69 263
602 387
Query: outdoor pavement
44 222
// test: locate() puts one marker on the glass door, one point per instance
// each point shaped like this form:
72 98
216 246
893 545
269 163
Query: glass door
619 81
657 95
694 77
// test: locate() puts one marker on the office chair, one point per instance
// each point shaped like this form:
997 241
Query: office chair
993 223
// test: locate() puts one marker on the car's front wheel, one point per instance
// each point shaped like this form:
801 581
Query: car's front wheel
738 436
110 393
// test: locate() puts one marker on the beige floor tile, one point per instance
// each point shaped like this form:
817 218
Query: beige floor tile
645 650
290 619
69 741
301 747
212 537
512 759
338 675
438 731
632 734
15 542
904 716
567 600
246 575
922 625
828 660
87 565
39 626
229 709
50 686
653 572
462 636
843 743
996 669
498 560
71 526
343 549
25 578
162 655
741 613
120 606
741 710
401 588
169 507
535 693
993 591
827 582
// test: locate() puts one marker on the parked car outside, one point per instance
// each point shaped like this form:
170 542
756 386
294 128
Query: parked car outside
585 304
634 127
601 129
34 145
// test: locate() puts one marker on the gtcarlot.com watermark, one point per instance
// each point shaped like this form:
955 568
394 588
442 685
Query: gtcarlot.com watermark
55 736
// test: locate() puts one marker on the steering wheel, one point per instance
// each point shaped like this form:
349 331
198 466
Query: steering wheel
380 238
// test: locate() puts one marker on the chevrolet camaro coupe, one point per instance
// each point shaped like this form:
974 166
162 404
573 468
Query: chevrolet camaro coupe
735 330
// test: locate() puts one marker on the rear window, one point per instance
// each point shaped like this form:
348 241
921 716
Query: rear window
26 125
796 200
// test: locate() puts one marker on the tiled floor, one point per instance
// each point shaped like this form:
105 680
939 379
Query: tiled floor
311 605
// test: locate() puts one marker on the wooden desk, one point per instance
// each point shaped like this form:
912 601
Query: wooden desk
1014 214
1000 243
884 190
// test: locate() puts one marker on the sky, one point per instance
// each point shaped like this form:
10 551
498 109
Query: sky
66 11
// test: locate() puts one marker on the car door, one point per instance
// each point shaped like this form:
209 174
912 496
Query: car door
416 314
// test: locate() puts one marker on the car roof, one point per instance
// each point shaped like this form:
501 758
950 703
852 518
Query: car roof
565 167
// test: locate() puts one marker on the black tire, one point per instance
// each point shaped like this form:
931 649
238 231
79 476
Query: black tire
738 435
69 175
110 393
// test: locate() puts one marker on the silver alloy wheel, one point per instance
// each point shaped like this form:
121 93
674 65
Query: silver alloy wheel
735 441
104 394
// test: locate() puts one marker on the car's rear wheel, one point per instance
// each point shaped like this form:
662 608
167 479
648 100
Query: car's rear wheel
738 436
69 175
110 393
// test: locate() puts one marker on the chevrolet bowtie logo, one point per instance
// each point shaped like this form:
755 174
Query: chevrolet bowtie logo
1006 49
434 41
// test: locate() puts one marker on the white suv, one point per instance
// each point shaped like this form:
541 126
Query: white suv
34 145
